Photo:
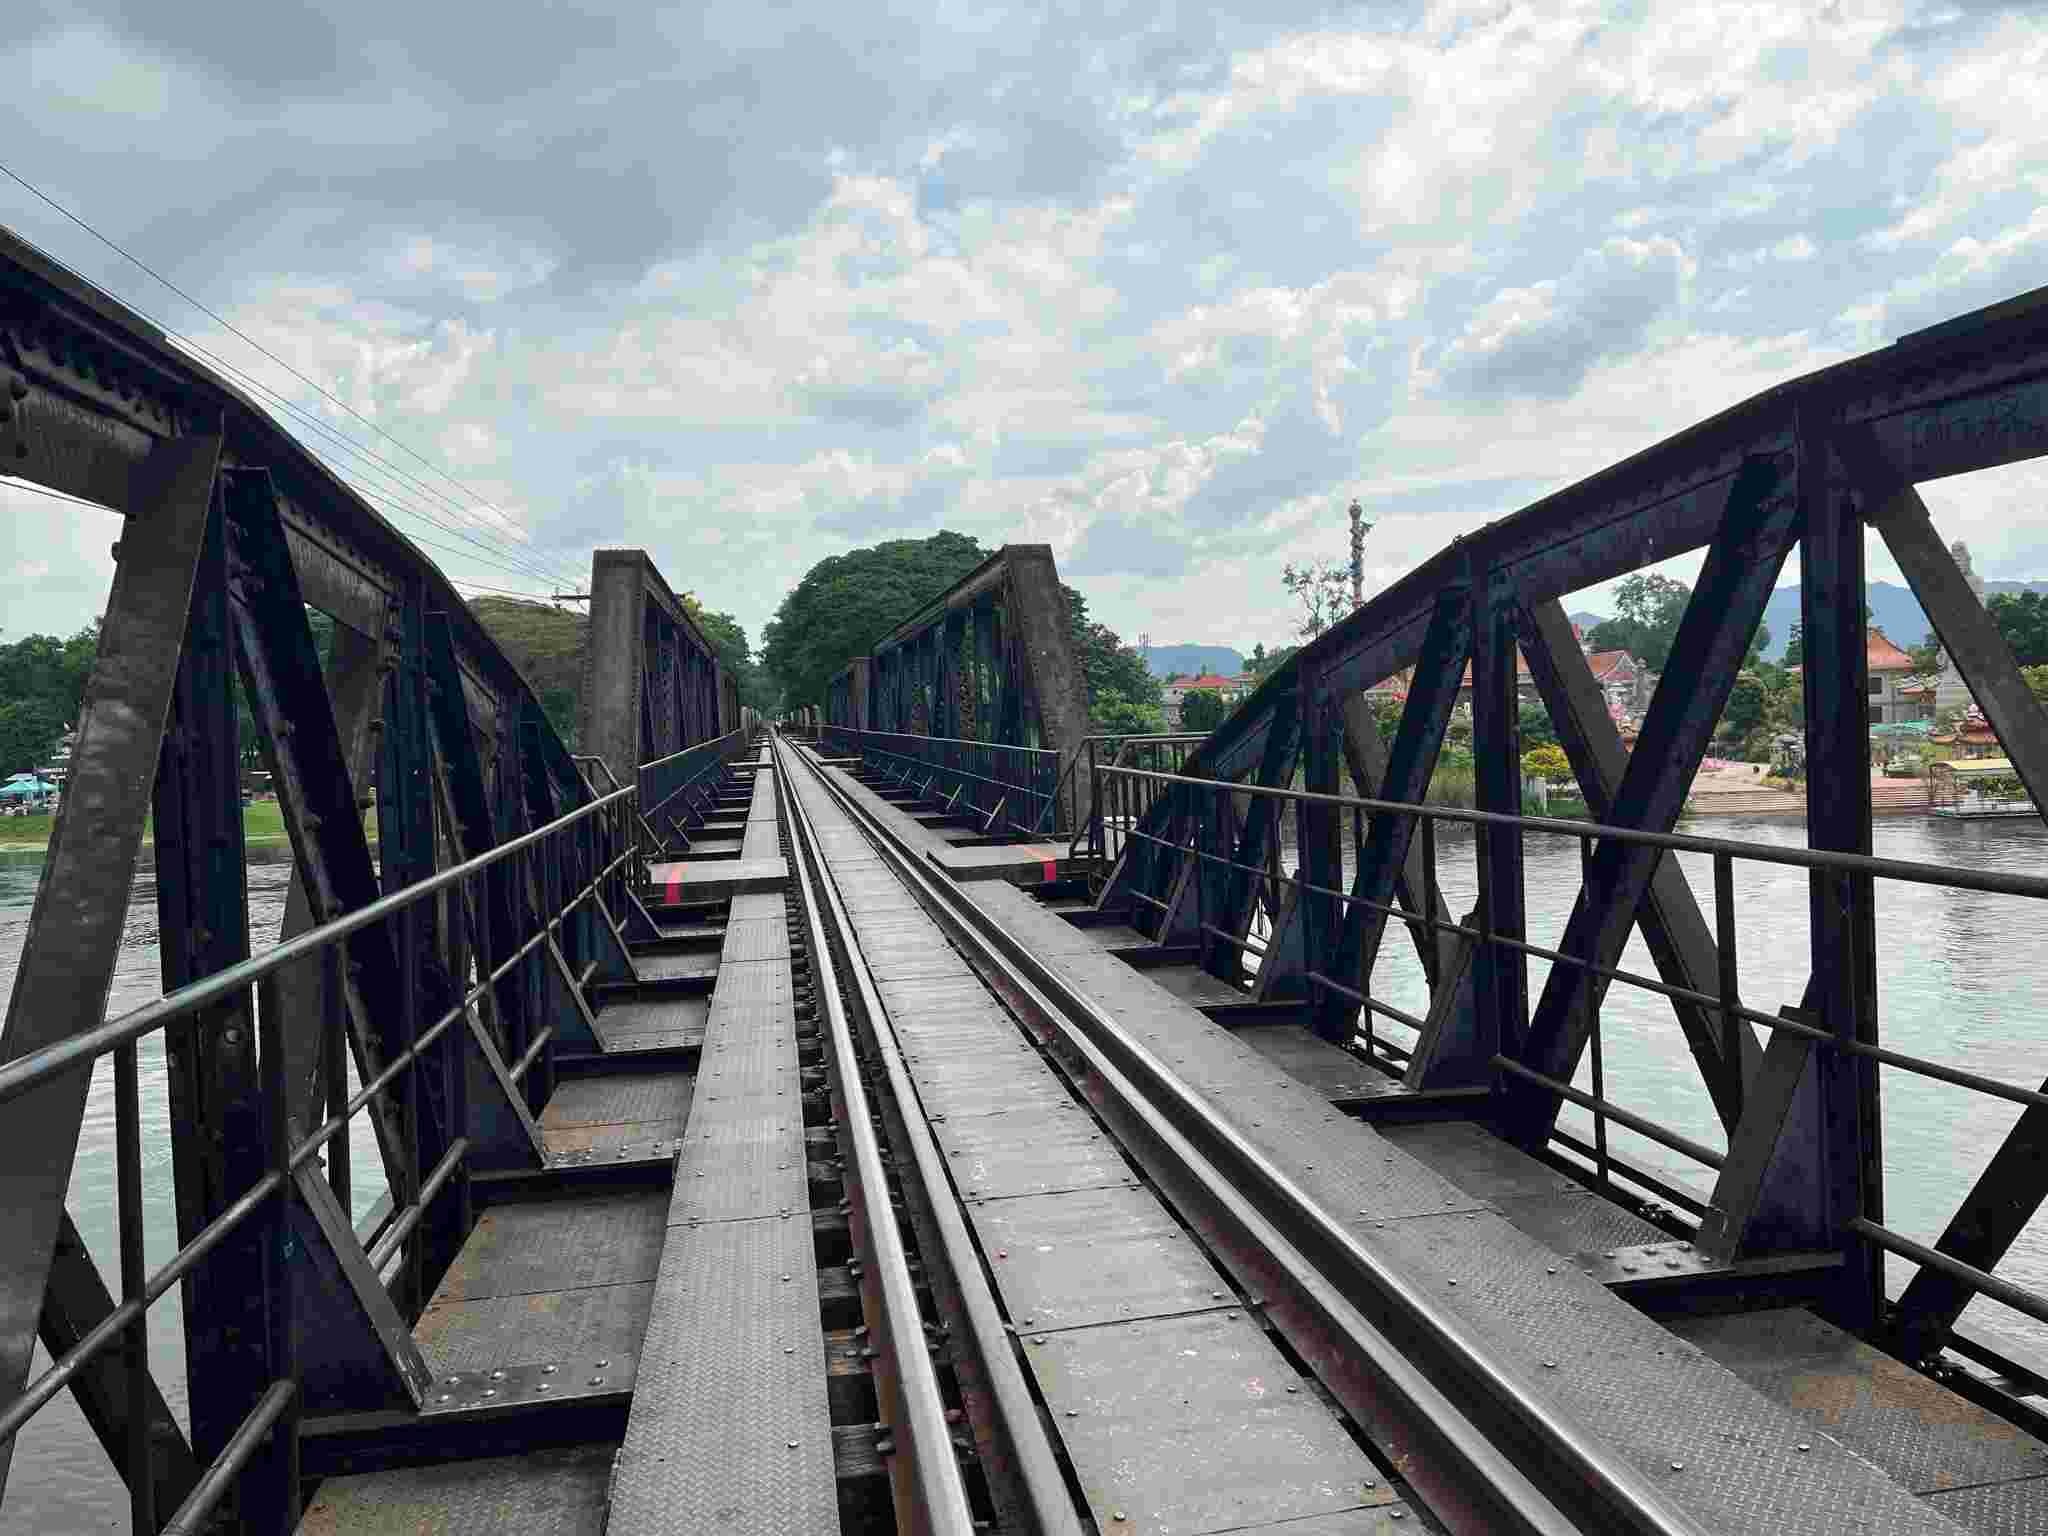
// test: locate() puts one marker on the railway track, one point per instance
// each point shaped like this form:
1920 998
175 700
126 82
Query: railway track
1141 1323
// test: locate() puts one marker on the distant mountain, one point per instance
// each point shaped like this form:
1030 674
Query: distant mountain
1193 660
1586 621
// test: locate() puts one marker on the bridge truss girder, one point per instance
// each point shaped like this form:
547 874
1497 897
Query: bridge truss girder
1805 466
233 532
991 659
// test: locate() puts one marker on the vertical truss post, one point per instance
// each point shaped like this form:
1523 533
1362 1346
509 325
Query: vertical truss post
1500 975
74 931
1321 836
1260 833
216 1110
1446 646
1758 525
406 838
1844 932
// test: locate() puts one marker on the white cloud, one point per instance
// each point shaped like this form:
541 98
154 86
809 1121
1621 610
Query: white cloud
1163 288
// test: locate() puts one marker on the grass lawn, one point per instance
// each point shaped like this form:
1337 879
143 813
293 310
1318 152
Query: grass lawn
262 822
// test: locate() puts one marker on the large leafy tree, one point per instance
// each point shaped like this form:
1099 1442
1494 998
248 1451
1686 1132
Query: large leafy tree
1648 608
845 603
1117 674
2022 617
729 638
42 684
1201 710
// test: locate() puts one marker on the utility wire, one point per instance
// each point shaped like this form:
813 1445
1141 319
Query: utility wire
9 483
505 520
528 564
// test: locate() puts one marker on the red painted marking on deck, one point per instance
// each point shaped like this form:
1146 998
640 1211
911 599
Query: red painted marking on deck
675 885
1052 870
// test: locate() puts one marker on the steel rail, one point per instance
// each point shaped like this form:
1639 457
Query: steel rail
1037 1468
945 1510
1514 1470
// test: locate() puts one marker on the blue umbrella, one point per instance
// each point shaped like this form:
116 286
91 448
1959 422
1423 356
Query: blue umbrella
26 787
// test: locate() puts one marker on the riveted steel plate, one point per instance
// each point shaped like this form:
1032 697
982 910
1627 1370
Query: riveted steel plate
580 1146
742 1165
761 840
1186 1424
1094 1256
512 1388
745 1055
1329 1069
1997 1509
676 965
1925 1436
1582 1223
1192 984
542 1493
944 996
752 939
648 1022
684 932
756 906
747 987
1619 1373
906 954
992 1157
1478 1161
971 1079
982 1020
558 1245
618 1099
482 1334
730 1430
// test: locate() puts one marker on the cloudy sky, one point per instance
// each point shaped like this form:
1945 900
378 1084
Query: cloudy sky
748 284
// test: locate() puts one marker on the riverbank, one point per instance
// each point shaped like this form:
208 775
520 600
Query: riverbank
262 822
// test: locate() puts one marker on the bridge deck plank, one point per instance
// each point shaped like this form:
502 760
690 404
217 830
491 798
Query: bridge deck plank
546 1493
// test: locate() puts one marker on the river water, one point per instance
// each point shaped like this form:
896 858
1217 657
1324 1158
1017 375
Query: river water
1959 973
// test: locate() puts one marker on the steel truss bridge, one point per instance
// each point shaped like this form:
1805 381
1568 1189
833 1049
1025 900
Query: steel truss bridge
927 1116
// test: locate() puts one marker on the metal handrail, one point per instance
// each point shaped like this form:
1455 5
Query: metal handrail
1730 1009
119 1036
1039 763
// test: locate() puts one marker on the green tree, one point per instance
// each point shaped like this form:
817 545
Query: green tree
2036 679
1546 762
1748 709
729 638
1927 655
1107 664
1201 709
2022 617
1648 608
1533 717
1257 662
845 603
1795 648
29 729
1323 588
1112 714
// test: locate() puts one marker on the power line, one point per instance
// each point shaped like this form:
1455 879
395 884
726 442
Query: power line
30 486
528 564
505 520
